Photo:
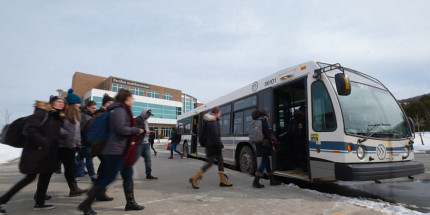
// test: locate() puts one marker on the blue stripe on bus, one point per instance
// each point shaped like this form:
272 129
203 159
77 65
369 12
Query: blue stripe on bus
343 146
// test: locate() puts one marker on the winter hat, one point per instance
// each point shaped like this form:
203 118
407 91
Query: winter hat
107 98
73 98
53 98
145 111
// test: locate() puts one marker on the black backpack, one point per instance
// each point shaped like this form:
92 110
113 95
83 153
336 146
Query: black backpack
202 134
14 134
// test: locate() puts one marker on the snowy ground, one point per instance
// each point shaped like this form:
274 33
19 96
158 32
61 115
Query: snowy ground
418 146
8 153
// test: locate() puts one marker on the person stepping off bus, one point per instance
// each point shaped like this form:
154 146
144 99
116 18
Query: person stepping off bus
263 151
214 148
176 139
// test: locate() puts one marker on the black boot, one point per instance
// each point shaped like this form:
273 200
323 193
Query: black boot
75 190
85 206
256 182
273 181
149 176
103 197
129 196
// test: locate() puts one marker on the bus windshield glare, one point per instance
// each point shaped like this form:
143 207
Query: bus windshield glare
370 109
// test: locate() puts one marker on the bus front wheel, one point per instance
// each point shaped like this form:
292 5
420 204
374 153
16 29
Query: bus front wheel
246 160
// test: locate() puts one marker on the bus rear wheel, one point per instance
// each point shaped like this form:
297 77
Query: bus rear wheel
246 160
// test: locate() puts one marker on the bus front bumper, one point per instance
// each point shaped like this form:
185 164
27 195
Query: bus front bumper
377 171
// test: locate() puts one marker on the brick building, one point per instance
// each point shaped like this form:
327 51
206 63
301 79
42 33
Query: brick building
166 103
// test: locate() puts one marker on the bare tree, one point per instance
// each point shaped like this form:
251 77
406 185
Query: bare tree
5 116
418 121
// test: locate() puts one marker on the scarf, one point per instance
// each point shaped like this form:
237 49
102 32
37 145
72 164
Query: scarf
131 149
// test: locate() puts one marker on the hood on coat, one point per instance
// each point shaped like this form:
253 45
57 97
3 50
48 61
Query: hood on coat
209 117
44 106
144 112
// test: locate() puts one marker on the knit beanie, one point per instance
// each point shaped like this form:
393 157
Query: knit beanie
106 99
73 98
53 98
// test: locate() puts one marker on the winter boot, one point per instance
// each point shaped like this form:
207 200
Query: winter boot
103 197
3 209
195 178
256 182
182 155
85 206
129 196
171 157
75 190
223 181
273 181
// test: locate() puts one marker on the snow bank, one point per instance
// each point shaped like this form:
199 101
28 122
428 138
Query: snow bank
418 146
8 153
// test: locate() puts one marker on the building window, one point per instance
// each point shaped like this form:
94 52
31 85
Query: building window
153 94
155 131
165 131
137 91
106 87
116 87
167 96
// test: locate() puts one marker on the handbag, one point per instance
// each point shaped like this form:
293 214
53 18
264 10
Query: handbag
130 154
168 145
275 143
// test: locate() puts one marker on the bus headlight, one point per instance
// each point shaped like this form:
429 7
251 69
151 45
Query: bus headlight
361 152
406 152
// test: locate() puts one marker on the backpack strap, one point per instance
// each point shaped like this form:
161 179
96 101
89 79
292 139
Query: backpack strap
45 118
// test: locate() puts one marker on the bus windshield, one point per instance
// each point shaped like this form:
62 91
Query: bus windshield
370 109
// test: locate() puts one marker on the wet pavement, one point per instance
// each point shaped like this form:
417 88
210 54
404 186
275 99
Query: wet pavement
172 194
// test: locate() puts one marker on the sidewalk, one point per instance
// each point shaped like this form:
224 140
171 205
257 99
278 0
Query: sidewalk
172 193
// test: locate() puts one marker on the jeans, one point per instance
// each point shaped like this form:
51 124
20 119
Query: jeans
265 164
211 160
67 157
173 148
85 153
111 165
144 150
42 187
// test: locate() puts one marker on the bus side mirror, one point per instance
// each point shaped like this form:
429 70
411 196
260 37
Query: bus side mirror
411 124
342 84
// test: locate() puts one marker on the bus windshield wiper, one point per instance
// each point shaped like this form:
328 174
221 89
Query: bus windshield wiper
374 125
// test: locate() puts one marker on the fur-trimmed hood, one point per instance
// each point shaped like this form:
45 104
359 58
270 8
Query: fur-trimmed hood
209 117
44 106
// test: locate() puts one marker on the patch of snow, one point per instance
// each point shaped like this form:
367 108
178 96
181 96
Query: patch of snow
418 145
8 153
384 207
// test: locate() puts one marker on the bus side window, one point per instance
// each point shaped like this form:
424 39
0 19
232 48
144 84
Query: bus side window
323 116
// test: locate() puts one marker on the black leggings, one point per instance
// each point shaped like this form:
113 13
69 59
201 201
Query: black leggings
42 187
67 157
211 161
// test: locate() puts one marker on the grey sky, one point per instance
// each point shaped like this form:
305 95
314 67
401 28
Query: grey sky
206 48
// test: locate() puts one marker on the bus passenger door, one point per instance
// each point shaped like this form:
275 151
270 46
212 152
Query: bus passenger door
290 120
194 129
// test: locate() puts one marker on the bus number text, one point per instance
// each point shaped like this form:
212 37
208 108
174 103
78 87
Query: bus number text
270 82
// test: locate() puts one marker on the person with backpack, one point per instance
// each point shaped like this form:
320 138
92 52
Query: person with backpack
211 137
39 154
264 150
106 102
87 113
70 141
121 136
176 139
143 141
152 140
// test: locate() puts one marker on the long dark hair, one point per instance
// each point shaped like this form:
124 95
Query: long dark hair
122 95
71 113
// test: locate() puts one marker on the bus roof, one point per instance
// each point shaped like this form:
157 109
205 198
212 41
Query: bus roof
272 80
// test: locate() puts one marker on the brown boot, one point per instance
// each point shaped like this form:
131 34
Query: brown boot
196 177
223 181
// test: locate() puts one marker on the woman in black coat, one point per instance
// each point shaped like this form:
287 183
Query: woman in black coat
39 155
214 149
264 153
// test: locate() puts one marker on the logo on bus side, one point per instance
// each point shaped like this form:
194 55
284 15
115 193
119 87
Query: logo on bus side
255 86
381 152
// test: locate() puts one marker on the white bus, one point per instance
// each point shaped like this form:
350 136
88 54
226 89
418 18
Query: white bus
333 123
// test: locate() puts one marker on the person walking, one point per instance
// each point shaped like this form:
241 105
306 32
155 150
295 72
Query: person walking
39 155
264 153
121 121
176 139
106 102
214 148
152 140
143 141
70 141
87 113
